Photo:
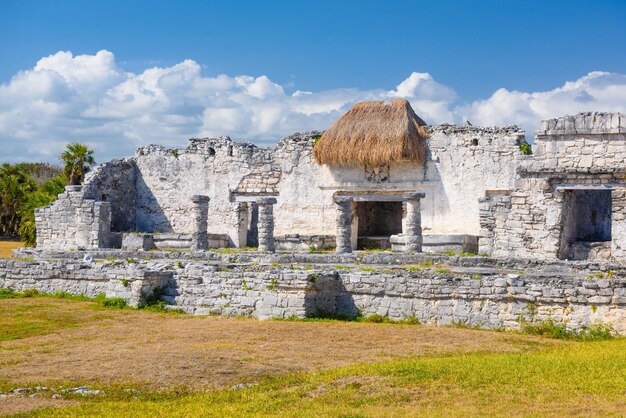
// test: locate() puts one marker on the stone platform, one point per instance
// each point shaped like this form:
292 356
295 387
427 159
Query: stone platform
439 290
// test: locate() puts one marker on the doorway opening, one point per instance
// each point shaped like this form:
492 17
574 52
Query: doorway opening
377 222
586 224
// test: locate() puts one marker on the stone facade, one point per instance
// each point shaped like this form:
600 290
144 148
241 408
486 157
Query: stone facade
566 201
569 198
76 220
150 193
478 296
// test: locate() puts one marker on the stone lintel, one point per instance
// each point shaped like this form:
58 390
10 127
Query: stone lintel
413 196
198 199
583 186
77 188
378 197
559 133
249 198
265 201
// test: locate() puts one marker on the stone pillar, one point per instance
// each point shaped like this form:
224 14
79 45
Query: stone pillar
200 210
266 223
413 223
618 224
344 224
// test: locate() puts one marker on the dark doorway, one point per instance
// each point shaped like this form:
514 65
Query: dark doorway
252 239
377 222
586 219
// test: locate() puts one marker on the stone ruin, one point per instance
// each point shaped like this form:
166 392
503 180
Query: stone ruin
476 192
281 198
516 228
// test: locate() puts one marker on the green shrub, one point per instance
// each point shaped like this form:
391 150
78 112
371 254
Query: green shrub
273 285
124 282
117 303
368 269
29 293
180 265
551 329
376 318
413 269
7 293
442 271
131 260
525 148
476 277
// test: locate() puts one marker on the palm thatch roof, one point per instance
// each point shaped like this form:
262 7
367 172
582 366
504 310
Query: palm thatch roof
374 133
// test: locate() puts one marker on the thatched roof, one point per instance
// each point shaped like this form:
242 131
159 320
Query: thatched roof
374 133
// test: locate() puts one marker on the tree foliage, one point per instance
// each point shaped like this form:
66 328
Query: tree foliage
46 194
15 186
25 187
77 160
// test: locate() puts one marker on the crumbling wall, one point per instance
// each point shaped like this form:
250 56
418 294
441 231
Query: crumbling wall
465 162
76 220
151 192
167 178
114 182
582 152
496 300
587 141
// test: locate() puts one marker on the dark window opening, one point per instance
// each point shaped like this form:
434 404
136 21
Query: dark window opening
211 151
229 151
586 219
377 221
474 142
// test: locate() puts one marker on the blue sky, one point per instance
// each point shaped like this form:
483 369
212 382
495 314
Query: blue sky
336 51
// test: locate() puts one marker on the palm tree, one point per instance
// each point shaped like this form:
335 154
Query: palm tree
78 159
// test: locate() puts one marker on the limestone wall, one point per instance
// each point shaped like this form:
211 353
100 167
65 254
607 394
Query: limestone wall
493 300
463 162
467 162
590 140
117 279
114 182
582 152
76 220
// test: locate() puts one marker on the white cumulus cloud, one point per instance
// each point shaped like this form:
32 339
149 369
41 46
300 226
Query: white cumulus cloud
91 99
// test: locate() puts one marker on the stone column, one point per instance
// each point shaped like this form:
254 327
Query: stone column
200 210
413 223
266 223
344 224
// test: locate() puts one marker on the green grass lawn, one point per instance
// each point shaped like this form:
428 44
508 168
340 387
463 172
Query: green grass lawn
542 378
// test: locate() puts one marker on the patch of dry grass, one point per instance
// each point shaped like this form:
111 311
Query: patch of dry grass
85 343
304 368
579 379
7 246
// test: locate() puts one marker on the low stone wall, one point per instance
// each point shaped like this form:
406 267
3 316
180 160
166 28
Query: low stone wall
114 279
483 298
